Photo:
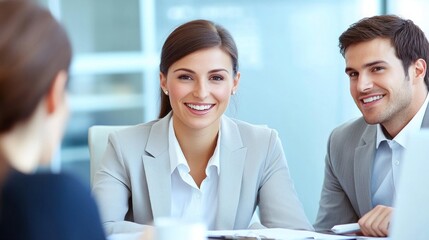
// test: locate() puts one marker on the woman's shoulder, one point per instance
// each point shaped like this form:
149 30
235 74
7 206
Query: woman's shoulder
41 184
247 125
48 204
249 130
136 134
139 127
142 128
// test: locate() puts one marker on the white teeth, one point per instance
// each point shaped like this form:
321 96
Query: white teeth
372 99
199 107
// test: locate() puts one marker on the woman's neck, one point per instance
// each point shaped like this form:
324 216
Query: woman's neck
20 148
197 146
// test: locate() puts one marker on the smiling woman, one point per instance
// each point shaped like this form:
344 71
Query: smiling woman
200 86
194 163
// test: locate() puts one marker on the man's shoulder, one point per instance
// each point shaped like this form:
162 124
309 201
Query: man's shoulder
349 132
352 126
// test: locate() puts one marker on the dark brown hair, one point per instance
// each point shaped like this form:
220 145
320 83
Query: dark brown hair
408 39
188 38
33 49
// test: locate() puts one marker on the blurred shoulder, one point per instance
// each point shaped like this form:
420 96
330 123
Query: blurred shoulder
41 184
48 206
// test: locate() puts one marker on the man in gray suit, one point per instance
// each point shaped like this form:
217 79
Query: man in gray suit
386 61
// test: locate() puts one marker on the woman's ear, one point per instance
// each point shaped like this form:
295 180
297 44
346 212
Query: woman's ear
57 92
163 81
236 82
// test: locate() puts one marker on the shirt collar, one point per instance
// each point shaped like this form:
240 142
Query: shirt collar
214 160
177 158
413 126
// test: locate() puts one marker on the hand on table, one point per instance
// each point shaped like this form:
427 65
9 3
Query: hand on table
376 222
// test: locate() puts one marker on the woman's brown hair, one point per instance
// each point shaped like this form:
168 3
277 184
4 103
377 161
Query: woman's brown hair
34 48
188 38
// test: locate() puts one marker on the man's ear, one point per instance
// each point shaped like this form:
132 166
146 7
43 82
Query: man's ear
57 91
420 69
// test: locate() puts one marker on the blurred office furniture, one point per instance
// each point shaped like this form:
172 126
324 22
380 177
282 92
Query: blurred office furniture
97 142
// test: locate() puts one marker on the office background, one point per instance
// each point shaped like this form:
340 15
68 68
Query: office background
293 76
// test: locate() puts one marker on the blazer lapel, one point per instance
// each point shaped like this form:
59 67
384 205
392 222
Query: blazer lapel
157 169
232 158
363 162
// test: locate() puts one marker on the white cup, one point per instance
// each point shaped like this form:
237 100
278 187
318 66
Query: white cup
174 229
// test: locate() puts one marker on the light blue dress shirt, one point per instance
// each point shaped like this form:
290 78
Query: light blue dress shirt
388 157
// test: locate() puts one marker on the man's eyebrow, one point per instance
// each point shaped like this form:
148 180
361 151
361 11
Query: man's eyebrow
348 69
366 65
373 63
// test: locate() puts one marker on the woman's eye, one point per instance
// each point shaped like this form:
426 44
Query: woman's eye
216 78
185 77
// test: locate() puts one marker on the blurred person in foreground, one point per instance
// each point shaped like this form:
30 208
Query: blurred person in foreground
386 61
35 55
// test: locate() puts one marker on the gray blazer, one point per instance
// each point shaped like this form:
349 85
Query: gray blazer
133 184
346 192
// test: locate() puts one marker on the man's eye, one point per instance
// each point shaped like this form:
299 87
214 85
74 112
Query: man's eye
376 69
352 74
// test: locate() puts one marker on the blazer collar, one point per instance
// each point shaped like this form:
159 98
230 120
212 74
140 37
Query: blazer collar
232 159
156 164
363 162
157 170
157 142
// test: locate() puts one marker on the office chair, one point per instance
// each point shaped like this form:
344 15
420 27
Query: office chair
97 143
